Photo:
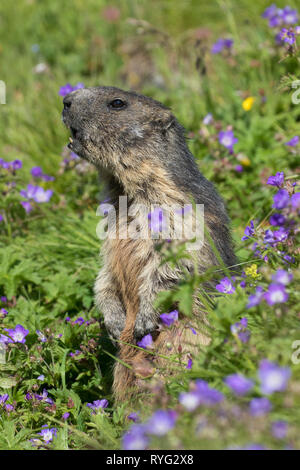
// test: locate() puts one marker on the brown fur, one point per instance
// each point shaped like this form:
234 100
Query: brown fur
140 150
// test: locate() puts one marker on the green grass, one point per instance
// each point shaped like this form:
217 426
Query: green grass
49 258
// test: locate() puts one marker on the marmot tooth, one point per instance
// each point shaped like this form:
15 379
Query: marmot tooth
71 140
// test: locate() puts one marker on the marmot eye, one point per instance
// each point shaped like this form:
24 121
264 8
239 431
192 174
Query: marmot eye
117 104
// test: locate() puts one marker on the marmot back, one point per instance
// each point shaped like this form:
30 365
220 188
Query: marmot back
139 148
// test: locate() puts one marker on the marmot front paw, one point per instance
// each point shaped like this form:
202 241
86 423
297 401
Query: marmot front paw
143 327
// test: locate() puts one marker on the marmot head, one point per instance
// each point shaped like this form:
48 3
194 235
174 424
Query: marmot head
111 127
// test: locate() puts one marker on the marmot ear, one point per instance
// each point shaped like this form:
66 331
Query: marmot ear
164 121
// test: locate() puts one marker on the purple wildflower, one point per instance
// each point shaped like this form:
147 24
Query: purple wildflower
287 36
78 86
64 90
236 327
48 434
74 156
289 16
29 193
135 438
190 400
207 395
244 336
146 342
279 429
3 398
41 378
47 177
76 353
5 165
244 322
228 43
169 318
260 406
65 416
239 168
3 312
276 294
133 417
44 397
281 199
18 334
276 180
161 422
36 171
3 299
208 119
37 193
282 277
9 408
5 339
41 336
227 139
221 44
42 195
269 237
270 11
1 218
280 235
239 384
189 364
293 142
276 19
256 298
288 259
225 286
239 329
98 404
277 219
249 231
295 201
27 206
17 164
273 378
217 47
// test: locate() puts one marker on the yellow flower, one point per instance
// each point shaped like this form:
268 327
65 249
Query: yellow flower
252 272
243 159
248 103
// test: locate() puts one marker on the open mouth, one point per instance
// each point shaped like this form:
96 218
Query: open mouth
74 132
74 136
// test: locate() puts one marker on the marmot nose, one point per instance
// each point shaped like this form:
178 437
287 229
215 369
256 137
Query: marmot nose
67 101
